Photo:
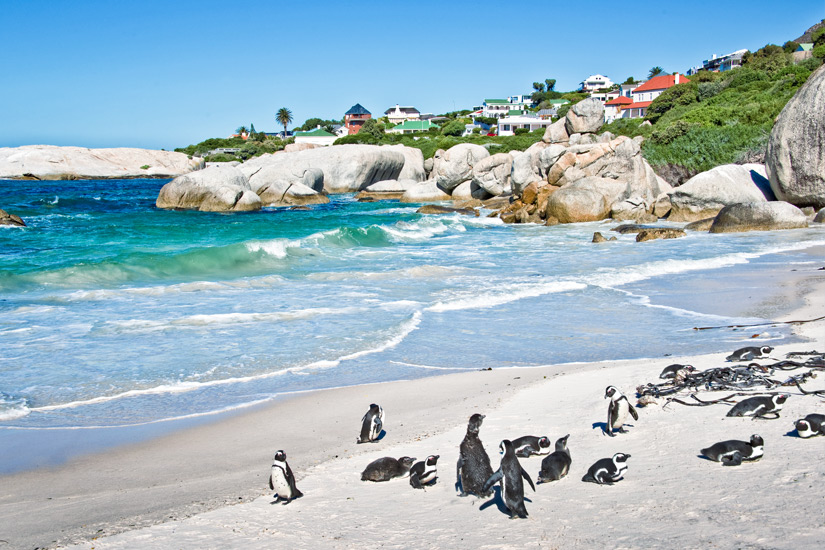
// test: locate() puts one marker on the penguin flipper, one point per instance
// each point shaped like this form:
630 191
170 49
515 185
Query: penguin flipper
271 485
526 476
495 478
415 482
733 460
633 412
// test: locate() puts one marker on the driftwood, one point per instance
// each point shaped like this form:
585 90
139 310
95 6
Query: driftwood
763 324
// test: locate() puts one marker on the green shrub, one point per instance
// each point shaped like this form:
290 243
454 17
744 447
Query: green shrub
144 167
521 131
373 128
709 89
630 127
701 148
819 52
220 158
454 128
670 133
680 94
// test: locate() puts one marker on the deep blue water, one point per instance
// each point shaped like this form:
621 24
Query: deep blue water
115 313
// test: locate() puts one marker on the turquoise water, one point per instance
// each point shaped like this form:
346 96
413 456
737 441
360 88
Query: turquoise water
115 313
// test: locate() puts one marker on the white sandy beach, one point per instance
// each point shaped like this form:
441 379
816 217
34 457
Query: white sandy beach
154 495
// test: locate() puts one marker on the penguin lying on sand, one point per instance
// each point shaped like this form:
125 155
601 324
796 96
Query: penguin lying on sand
811 425
281 479
556 465
387 468
530 445
670 371
423 472
607 471
509 474
759 406
749 353
733 452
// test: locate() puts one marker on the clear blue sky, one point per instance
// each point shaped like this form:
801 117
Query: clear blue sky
164 74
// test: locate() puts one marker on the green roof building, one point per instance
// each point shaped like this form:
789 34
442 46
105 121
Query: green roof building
411 126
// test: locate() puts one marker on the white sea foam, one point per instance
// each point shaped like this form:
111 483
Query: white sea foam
415 272
477 300
406 328
276 247
422 230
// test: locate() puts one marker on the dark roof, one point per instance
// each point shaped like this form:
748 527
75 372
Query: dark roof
357 109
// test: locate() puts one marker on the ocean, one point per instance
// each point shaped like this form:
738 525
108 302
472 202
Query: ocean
117 315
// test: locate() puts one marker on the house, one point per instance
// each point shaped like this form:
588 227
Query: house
412 126
355 118
595 82
508 124
499 108
604 97
399 114
613 108
803 52
720 64
627 89
318 136
643 95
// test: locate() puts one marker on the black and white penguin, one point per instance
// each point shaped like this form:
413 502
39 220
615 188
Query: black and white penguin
733 452
811 425
749 353
281 479
473 467
607 471
670 371
424 472
617 410
509 474
529 445
759 406
556 465
387 468
371 424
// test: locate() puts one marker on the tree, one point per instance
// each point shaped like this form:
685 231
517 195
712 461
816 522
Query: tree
655 71
551 84
251 128
630 80
241 130
454 128
284 117
372 128
538 86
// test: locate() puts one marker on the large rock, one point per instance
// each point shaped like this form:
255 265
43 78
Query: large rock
705 194
387 190
283 193
346 168
493 174
556 132
427 191
589 199
455 165
469 190
413 163
49 162
526 167
11 219
758 216
287 184
214 189
586 116
795 158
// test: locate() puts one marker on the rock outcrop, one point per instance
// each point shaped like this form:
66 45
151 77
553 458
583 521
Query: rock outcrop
795 157
427 191
492 174
11 219
413 163
438 209
758 216
49 162
705 194
215 189
586 200
455 166
585 117
653 233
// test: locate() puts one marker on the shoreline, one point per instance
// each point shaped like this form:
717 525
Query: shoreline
208 467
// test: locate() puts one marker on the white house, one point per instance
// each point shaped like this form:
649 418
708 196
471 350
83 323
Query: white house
643 95
318 136
595 82
508 124
398 114
613 108
499 108
720 63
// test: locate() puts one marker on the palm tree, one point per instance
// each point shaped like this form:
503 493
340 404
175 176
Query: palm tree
241 130
551 84
538 86
284 116
655 71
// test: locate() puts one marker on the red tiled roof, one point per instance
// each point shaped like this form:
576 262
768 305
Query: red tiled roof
660 83
621 100
638 105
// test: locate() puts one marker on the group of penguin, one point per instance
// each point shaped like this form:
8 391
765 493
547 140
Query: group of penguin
474 473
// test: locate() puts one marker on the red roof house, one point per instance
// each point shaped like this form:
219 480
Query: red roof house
650 90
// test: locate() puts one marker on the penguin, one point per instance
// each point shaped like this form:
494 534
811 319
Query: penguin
607 471
371 424
556 465
423 472
281 479
733 452
529 445
811 425
387 468
749 353
509 474
670 371
617 410
759 406
473 467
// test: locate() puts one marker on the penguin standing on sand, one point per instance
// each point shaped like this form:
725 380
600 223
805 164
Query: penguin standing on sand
733 452
759 406
556 465
607 471
473 466
749 353
371 424
617 410
424 473
387 468
811 425
281 479
509 474
529 445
